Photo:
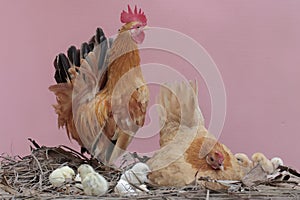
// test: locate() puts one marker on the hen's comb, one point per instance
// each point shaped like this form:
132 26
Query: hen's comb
220 155
130 16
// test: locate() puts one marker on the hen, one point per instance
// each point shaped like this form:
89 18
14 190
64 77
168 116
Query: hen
187 149
100 91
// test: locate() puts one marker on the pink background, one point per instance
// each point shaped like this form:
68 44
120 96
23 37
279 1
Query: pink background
255 45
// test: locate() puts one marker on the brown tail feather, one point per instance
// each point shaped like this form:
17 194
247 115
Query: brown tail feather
63 108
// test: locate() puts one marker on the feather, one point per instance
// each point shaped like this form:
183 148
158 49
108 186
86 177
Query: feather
180 102
91 80
76 89
85 49
91 120
74 56
62 66
185 143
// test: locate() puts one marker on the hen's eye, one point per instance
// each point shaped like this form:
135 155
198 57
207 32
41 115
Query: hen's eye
211 159
138 26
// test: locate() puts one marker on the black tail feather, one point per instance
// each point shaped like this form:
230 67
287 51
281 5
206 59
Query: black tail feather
85 49
62 66
91 46
72 54
62 63
92 41
77 60
99 37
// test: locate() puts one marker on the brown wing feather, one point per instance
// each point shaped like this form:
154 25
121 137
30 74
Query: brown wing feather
138 105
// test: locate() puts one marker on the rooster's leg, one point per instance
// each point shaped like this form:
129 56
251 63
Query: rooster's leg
121 145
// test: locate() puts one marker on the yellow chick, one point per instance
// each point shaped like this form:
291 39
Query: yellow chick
78 179
84 170
61 175
245 163
92 183
265 163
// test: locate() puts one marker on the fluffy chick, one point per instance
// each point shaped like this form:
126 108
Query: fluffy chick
137 174
61 175
144 188
84 170
265 163
276 161
245 163
123 187
78 179
94 184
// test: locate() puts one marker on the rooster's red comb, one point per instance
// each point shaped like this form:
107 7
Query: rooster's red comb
130 16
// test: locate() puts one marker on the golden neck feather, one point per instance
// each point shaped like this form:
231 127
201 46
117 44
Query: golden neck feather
124 55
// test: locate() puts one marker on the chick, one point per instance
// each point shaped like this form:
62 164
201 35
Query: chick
137 174
245 163
144 188
123 187
266 164
92 183
276 161
84 170
78 179
278 174
61 175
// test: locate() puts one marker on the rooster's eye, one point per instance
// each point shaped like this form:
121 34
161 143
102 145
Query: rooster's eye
211 159
138 26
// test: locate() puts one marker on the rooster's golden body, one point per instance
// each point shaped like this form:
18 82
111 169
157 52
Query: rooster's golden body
102 96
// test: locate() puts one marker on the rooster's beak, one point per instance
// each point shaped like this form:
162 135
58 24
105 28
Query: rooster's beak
146 28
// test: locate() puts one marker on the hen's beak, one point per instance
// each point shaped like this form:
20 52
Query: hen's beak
222 167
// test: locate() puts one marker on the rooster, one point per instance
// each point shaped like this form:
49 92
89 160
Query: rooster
187 148
101 92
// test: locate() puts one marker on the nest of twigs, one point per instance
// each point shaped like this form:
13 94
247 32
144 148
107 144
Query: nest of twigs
27 178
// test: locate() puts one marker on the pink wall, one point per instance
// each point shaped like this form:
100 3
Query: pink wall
254 43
